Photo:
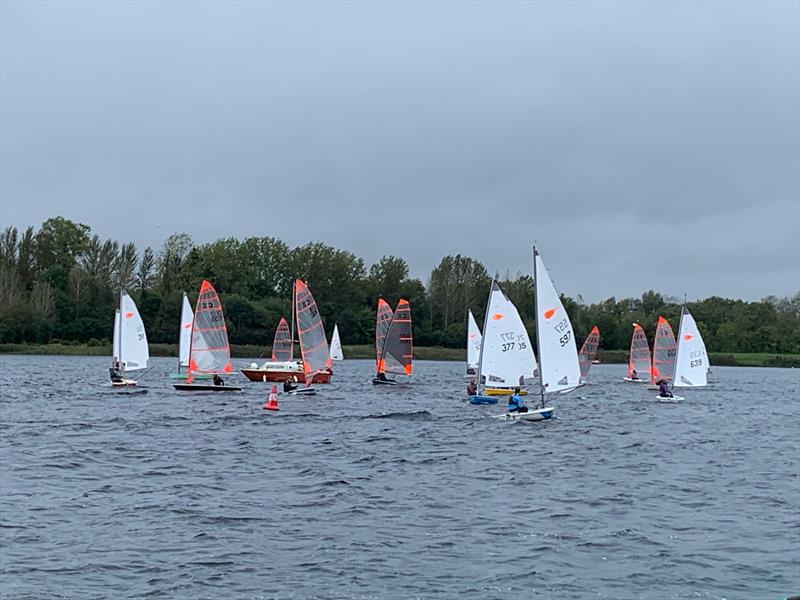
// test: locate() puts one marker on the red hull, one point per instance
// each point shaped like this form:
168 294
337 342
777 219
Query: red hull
281 376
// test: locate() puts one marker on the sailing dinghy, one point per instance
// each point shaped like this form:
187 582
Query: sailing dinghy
395 340
506 359
184 341
559 368
209 350
639 361
588 352
664 350
691 360
129 345
336 344
474 340
283 366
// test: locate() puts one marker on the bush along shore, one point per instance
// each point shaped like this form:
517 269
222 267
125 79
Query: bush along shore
366 351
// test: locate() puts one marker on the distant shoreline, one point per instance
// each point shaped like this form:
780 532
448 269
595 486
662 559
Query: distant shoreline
367 351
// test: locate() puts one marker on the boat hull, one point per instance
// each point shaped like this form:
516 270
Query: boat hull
281 376
670 399
476 399
377 381
503 392
539 414
125 383
629 380
205 387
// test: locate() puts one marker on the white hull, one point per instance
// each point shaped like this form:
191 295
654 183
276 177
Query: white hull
669 400
539 414
125 383
634 380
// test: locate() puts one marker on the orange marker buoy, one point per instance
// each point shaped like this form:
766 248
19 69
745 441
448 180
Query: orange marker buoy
272 402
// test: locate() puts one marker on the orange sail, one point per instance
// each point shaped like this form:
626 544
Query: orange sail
588 351
209 351
640 353
382 322
282 343
664 350
397 356
313 342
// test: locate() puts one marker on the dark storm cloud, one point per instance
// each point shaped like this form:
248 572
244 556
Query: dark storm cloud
642 145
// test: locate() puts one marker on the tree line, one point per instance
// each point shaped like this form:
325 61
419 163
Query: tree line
62 281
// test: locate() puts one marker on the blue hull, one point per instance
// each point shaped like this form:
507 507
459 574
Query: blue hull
483 399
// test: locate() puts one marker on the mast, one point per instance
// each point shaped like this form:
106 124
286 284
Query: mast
118 359
485 321
291 337
538 336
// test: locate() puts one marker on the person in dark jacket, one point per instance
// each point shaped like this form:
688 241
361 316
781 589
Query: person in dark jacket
663 389
472 389
218 380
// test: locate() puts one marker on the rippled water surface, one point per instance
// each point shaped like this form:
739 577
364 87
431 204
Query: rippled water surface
401 492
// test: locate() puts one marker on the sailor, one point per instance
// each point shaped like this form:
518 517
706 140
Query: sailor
116 377
218 380
634 374
515 403
382 376
288 386
663 389
472 389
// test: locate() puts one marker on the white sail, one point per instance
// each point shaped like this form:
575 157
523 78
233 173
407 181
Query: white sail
474 339
187 318
134 353
506 356
115 360
336 345
558 356
691 361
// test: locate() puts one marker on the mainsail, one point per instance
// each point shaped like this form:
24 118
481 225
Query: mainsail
336 345
210 351
506 355
313 343
474 339
383 320
588 351
691 362
640 353
397 354
663 352
131 352
282 343
559 368
185 334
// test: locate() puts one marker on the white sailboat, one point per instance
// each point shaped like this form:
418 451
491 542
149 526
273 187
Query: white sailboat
474 339
185 341
129 346
691 360
336 344
506 359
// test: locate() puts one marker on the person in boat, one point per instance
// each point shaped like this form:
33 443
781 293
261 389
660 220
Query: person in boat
116 376
472 389
515 402
634 375
663 389
288 384
218 380
382 376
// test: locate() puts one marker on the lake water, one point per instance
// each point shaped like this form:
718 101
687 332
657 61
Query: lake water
394 492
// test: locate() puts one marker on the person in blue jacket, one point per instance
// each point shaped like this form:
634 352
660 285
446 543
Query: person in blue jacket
515 403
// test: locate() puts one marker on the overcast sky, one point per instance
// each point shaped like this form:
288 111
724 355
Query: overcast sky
640 144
